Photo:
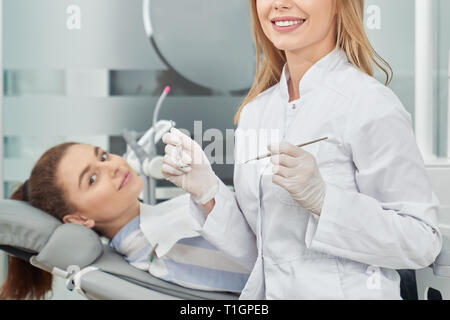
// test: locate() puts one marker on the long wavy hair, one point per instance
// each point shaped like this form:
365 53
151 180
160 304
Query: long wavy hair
350 37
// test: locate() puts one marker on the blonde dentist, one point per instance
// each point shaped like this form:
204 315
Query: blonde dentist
333 220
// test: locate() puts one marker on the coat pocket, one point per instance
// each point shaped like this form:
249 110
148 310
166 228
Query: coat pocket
304 278
326 156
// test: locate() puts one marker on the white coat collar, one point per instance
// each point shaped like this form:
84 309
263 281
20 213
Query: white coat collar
315 75
167 222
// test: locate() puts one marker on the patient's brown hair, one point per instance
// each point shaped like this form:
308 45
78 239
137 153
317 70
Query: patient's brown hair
23 280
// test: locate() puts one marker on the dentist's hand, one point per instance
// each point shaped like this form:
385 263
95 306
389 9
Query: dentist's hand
296 171
186 165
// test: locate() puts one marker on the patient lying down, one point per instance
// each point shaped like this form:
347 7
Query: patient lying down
83 184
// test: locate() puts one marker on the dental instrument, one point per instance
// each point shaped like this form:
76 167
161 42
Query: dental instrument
298 145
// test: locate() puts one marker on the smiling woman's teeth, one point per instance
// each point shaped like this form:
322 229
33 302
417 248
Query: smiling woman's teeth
288 23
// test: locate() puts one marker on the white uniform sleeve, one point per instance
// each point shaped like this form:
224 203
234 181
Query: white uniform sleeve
392 221
226 228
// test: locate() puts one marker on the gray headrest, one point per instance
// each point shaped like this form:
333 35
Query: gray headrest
24 226
59 245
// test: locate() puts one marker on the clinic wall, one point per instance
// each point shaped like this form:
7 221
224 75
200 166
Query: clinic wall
111 36
442 74
395 42
392 37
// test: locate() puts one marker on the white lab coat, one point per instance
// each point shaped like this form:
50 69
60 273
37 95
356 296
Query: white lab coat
379 212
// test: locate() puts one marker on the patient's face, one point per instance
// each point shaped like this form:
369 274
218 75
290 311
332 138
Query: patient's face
93 181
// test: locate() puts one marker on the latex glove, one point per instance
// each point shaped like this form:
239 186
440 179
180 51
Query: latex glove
186 165
296 171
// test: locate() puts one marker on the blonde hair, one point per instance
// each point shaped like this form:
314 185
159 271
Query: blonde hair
350 37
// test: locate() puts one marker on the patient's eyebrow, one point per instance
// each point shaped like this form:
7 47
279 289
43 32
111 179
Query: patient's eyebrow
96 149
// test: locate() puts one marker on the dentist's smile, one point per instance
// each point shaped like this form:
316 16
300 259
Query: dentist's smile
287 24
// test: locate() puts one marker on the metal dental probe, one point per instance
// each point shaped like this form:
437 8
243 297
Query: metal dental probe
298 145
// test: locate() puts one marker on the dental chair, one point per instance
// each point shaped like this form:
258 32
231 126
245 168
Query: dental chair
96 271
77 254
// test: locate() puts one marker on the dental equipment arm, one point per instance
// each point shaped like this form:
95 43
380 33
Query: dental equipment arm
142 155
130 139
158 106
155 117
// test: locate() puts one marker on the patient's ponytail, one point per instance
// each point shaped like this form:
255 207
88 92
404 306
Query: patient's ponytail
23 280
